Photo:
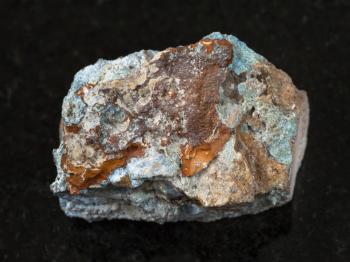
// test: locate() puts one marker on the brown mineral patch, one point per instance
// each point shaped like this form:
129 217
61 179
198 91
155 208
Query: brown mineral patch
210 44
125 181
196 158
72 129
82 177
164 141
230 85
268 173
199 76
200 111
279 85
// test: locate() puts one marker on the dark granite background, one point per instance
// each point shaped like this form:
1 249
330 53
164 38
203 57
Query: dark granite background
43 44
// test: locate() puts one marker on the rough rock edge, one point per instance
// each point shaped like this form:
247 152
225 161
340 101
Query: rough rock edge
110 204
300 140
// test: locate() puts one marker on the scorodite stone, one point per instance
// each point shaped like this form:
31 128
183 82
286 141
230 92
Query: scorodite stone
196 132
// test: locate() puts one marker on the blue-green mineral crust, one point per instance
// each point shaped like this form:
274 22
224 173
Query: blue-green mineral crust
281 126
280 129
244 57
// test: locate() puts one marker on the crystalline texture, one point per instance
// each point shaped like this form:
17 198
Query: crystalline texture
197 132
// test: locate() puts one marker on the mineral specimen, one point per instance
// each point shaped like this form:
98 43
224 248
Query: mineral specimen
197 132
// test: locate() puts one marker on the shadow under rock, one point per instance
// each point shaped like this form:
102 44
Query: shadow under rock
226 239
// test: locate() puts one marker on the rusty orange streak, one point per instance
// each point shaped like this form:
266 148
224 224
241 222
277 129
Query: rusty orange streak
195 159
210 43
82 177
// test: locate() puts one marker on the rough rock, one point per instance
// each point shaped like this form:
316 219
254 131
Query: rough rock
197 132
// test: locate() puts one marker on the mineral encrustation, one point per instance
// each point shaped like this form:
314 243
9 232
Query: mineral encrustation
197 132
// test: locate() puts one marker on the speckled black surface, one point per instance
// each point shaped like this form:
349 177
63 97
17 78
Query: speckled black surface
43 45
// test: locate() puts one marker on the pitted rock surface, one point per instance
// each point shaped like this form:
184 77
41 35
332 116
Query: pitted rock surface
196 132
